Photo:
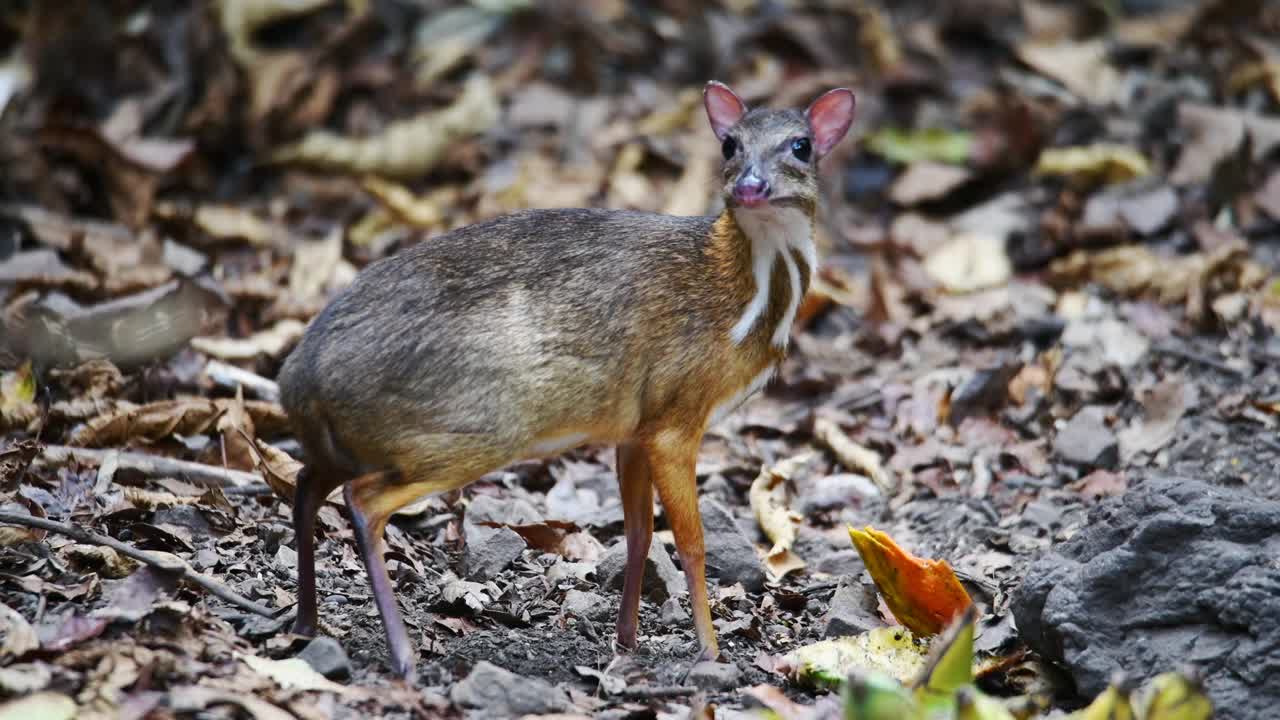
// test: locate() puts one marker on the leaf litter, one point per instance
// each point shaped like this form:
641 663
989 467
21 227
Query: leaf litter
1050 241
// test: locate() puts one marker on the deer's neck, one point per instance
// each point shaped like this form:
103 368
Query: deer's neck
781 258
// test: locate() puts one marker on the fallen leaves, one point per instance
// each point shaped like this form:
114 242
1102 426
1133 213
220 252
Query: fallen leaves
770 505
888 650
405 149
292 674
924 595
187 416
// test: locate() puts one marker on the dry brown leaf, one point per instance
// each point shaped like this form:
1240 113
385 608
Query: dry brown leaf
925 180
292 674
1080 66
970 261
854 456
278 468
235 426
184 416
769 503
405 149
272 342
103 560
1215 134
1163 405
314 265
228 223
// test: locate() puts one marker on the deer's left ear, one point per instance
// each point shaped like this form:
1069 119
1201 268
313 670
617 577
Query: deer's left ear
829 118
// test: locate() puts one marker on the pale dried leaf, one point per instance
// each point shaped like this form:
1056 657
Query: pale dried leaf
272 342
408 148
291 674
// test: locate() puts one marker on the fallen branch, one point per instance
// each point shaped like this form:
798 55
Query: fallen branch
229 376
169 563
153 466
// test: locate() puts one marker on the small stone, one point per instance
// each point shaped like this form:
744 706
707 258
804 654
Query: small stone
585 604
839 562
661 578
848 612
326 656
673 612
504 511
490 550
1087 441
713 675
731 556
497 693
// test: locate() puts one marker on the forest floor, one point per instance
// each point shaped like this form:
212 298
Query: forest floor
1048 284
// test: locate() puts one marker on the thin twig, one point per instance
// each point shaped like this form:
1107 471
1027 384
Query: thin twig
229 376
656 692
170 563
152 466
1199 358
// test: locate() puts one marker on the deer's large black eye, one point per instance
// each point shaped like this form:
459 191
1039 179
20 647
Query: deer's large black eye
728 147
802 149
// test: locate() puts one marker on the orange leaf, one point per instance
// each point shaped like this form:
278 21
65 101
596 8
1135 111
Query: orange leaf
924 595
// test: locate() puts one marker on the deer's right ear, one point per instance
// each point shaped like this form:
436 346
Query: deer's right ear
724 108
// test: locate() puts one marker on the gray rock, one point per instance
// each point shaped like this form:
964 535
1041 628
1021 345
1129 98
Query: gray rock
1087 441
495 693
713 675
1176 571
505 511
326 656
840 562
731 556
489 550
673 612
661 578
592 606
851 611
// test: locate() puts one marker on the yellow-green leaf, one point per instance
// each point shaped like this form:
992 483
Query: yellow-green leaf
909 146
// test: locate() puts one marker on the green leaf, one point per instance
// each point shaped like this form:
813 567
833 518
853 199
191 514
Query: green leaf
908 146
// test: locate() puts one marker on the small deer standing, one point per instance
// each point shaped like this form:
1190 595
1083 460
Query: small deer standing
545 330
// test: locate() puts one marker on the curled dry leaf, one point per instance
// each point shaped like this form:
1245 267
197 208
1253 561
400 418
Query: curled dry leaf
184 416
924 595
227 223
278 468
314 264
769 503
854 456
103 560
272 342
408 148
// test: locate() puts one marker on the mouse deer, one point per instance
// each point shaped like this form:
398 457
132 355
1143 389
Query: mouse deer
545 330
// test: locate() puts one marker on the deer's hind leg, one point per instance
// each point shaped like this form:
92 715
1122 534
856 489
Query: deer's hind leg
425 466
314 485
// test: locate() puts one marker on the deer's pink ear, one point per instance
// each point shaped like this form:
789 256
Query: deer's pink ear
829 118
723 107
